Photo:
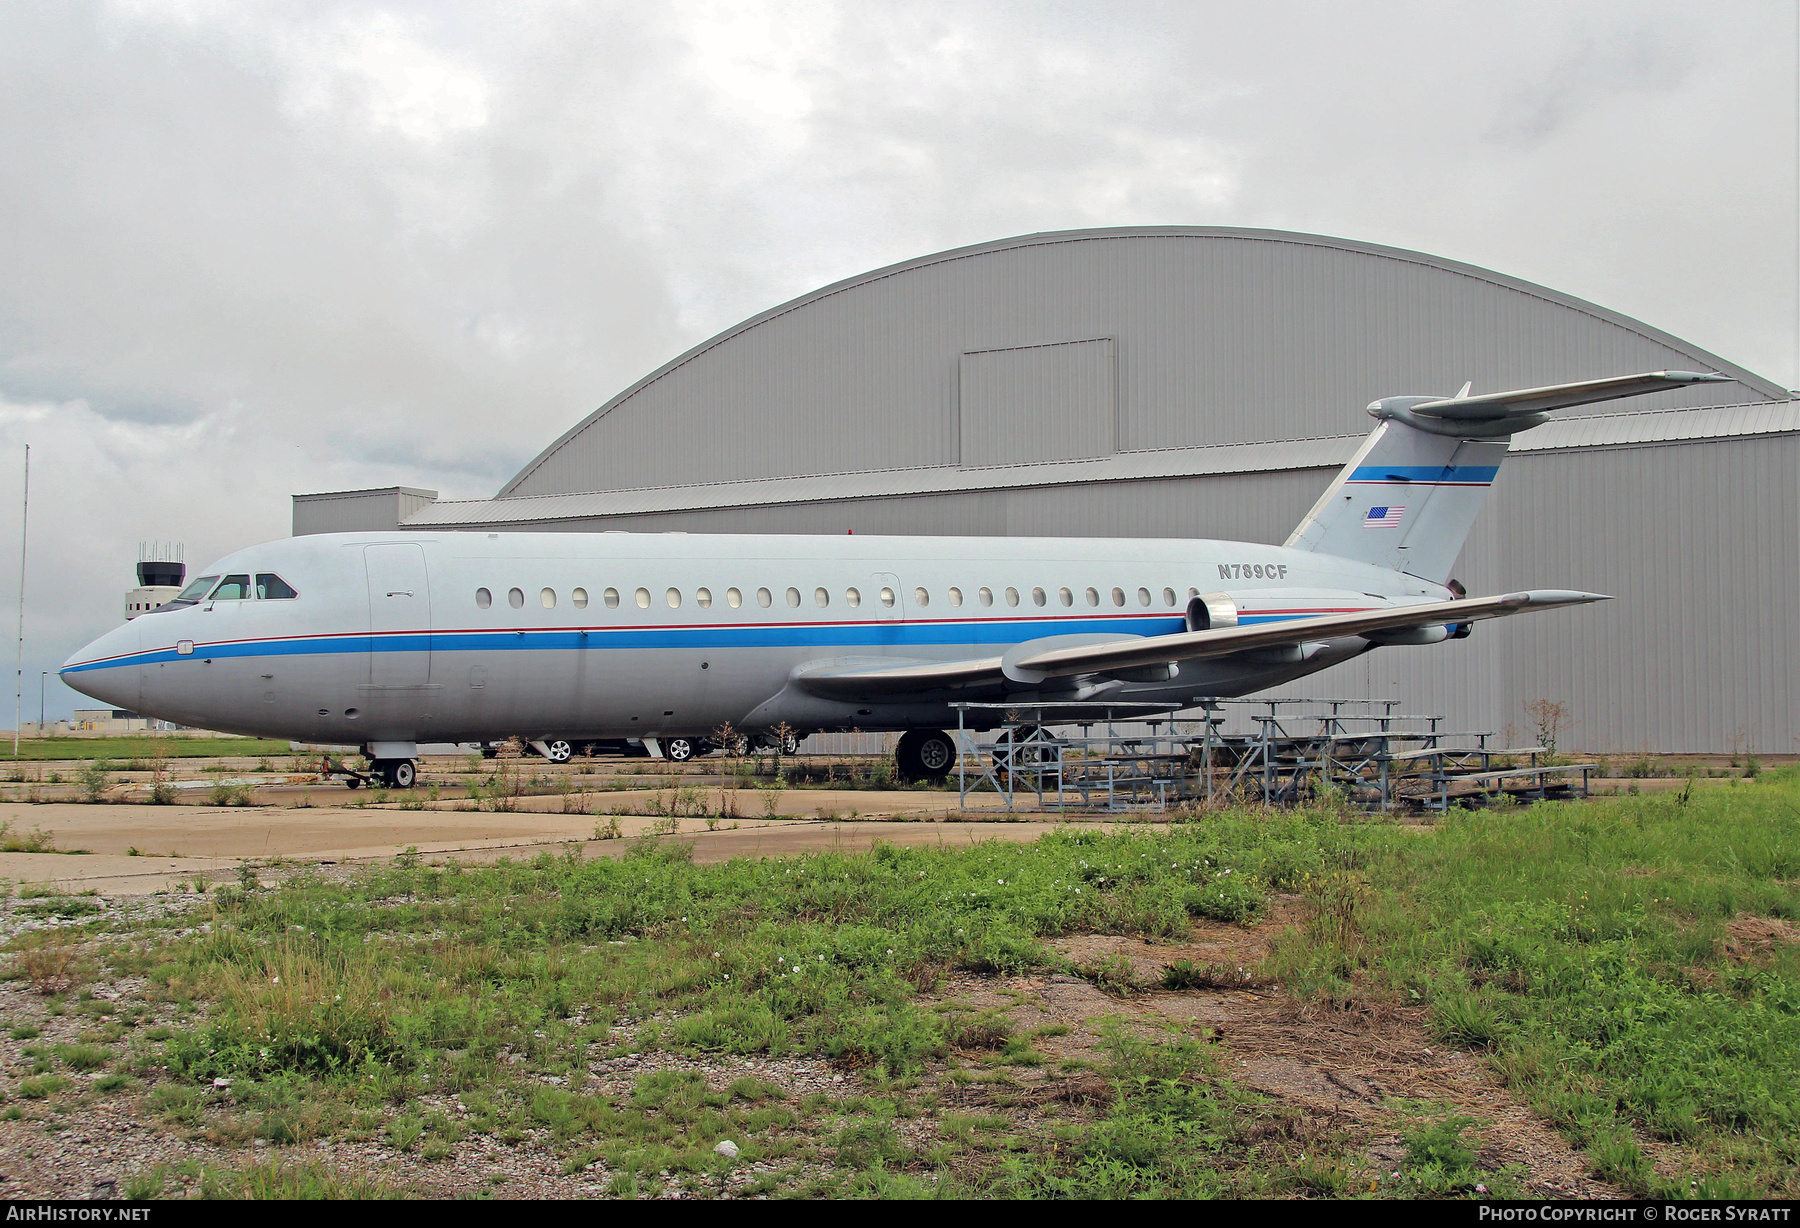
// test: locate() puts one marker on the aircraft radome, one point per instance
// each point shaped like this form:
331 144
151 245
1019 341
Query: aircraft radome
387 640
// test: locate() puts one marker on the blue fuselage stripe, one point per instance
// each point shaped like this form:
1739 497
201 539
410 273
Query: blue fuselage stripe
895 634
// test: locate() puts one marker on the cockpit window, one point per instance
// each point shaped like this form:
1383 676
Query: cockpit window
198 589
272 587
232 588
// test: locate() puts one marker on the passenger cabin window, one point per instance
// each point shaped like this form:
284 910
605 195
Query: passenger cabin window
985 596
548 597
1118 596
673 597
1093 597
611 597
955 595
483 599
1065 596
1143 596
643 598
793 598
821 598
273 588
852 598
733 598
1168 596
1012 596
703 597
232 588
921 597
1037 596
764 598
579 597
887 598
516 598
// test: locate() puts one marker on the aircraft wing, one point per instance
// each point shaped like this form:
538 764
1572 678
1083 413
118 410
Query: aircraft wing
1224 641
851 679
1029 664
1559 396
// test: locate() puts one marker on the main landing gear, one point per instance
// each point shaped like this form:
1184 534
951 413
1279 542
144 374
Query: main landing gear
925 754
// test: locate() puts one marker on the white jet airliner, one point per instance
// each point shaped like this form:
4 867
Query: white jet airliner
386 640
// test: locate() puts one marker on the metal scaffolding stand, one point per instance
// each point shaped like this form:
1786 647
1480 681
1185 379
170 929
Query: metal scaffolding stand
1379 759
1373 757
1108 771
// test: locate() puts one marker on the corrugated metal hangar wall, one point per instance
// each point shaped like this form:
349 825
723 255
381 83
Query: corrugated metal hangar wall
1198 382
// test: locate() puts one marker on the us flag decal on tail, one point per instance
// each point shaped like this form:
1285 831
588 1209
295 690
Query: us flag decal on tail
1384 518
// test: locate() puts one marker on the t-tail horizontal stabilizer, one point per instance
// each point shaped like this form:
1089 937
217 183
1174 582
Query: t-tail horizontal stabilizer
1494 414
1407 499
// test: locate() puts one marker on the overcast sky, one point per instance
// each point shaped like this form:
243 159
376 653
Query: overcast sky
253 249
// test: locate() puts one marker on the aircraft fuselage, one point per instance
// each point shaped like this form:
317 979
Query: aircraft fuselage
453 637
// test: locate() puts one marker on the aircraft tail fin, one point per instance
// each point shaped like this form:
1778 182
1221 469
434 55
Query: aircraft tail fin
1410 495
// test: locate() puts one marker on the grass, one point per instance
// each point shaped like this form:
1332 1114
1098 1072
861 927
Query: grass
1585 949
1592 954
820 954
272 1179
120 750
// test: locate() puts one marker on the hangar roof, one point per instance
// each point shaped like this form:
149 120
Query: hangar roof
1590 431
1104 350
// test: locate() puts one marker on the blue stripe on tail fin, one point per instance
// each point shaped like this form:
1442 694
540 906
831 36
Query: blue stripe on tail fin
1406 501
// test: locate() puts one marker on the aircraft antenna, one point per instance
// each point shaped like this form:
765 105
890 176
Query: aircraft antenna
19 676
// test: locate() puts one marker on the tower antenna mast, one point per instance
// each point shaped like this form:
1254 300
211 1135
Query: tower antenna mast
19 679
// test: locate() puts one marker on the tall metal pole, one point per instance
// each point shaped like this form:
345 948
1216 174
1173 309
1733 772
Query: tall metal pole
42 675
19 679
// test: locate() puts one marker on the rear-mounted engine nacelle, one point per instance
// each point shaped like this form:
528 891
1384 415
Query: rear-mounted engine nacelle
1210 612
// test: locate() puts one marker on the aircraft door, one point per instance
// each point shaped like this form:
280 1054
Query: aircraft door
399 615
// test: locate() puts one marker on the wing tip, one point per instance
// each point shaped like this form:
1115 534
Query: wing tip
1539 597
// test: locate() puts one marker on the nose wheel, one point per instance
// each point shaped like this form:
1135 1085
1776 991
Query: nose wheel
678 749
396 773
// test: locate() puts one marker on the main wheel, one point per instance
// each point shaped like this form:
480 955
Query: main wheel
558 751
925 754
679 750
402 773
790 744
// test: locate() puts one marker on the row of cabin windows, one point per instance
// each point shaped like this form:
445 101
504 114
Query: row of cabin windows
484 599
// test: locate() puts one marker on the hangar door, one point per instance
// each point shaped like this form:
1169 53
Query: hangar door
1039 403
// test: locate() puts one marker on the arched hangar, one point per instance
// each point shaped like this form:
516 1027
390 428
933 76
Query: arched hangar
1206 382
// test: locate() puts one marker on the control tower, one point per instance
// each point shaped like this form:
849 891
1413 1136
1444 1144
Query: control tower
160 574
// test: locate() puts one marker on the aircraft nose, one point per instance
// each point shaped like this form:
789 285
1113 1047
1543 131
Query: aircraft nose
105 669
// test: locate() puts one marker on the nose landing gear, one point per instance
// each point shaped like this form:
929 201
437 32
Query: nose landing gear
393 773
